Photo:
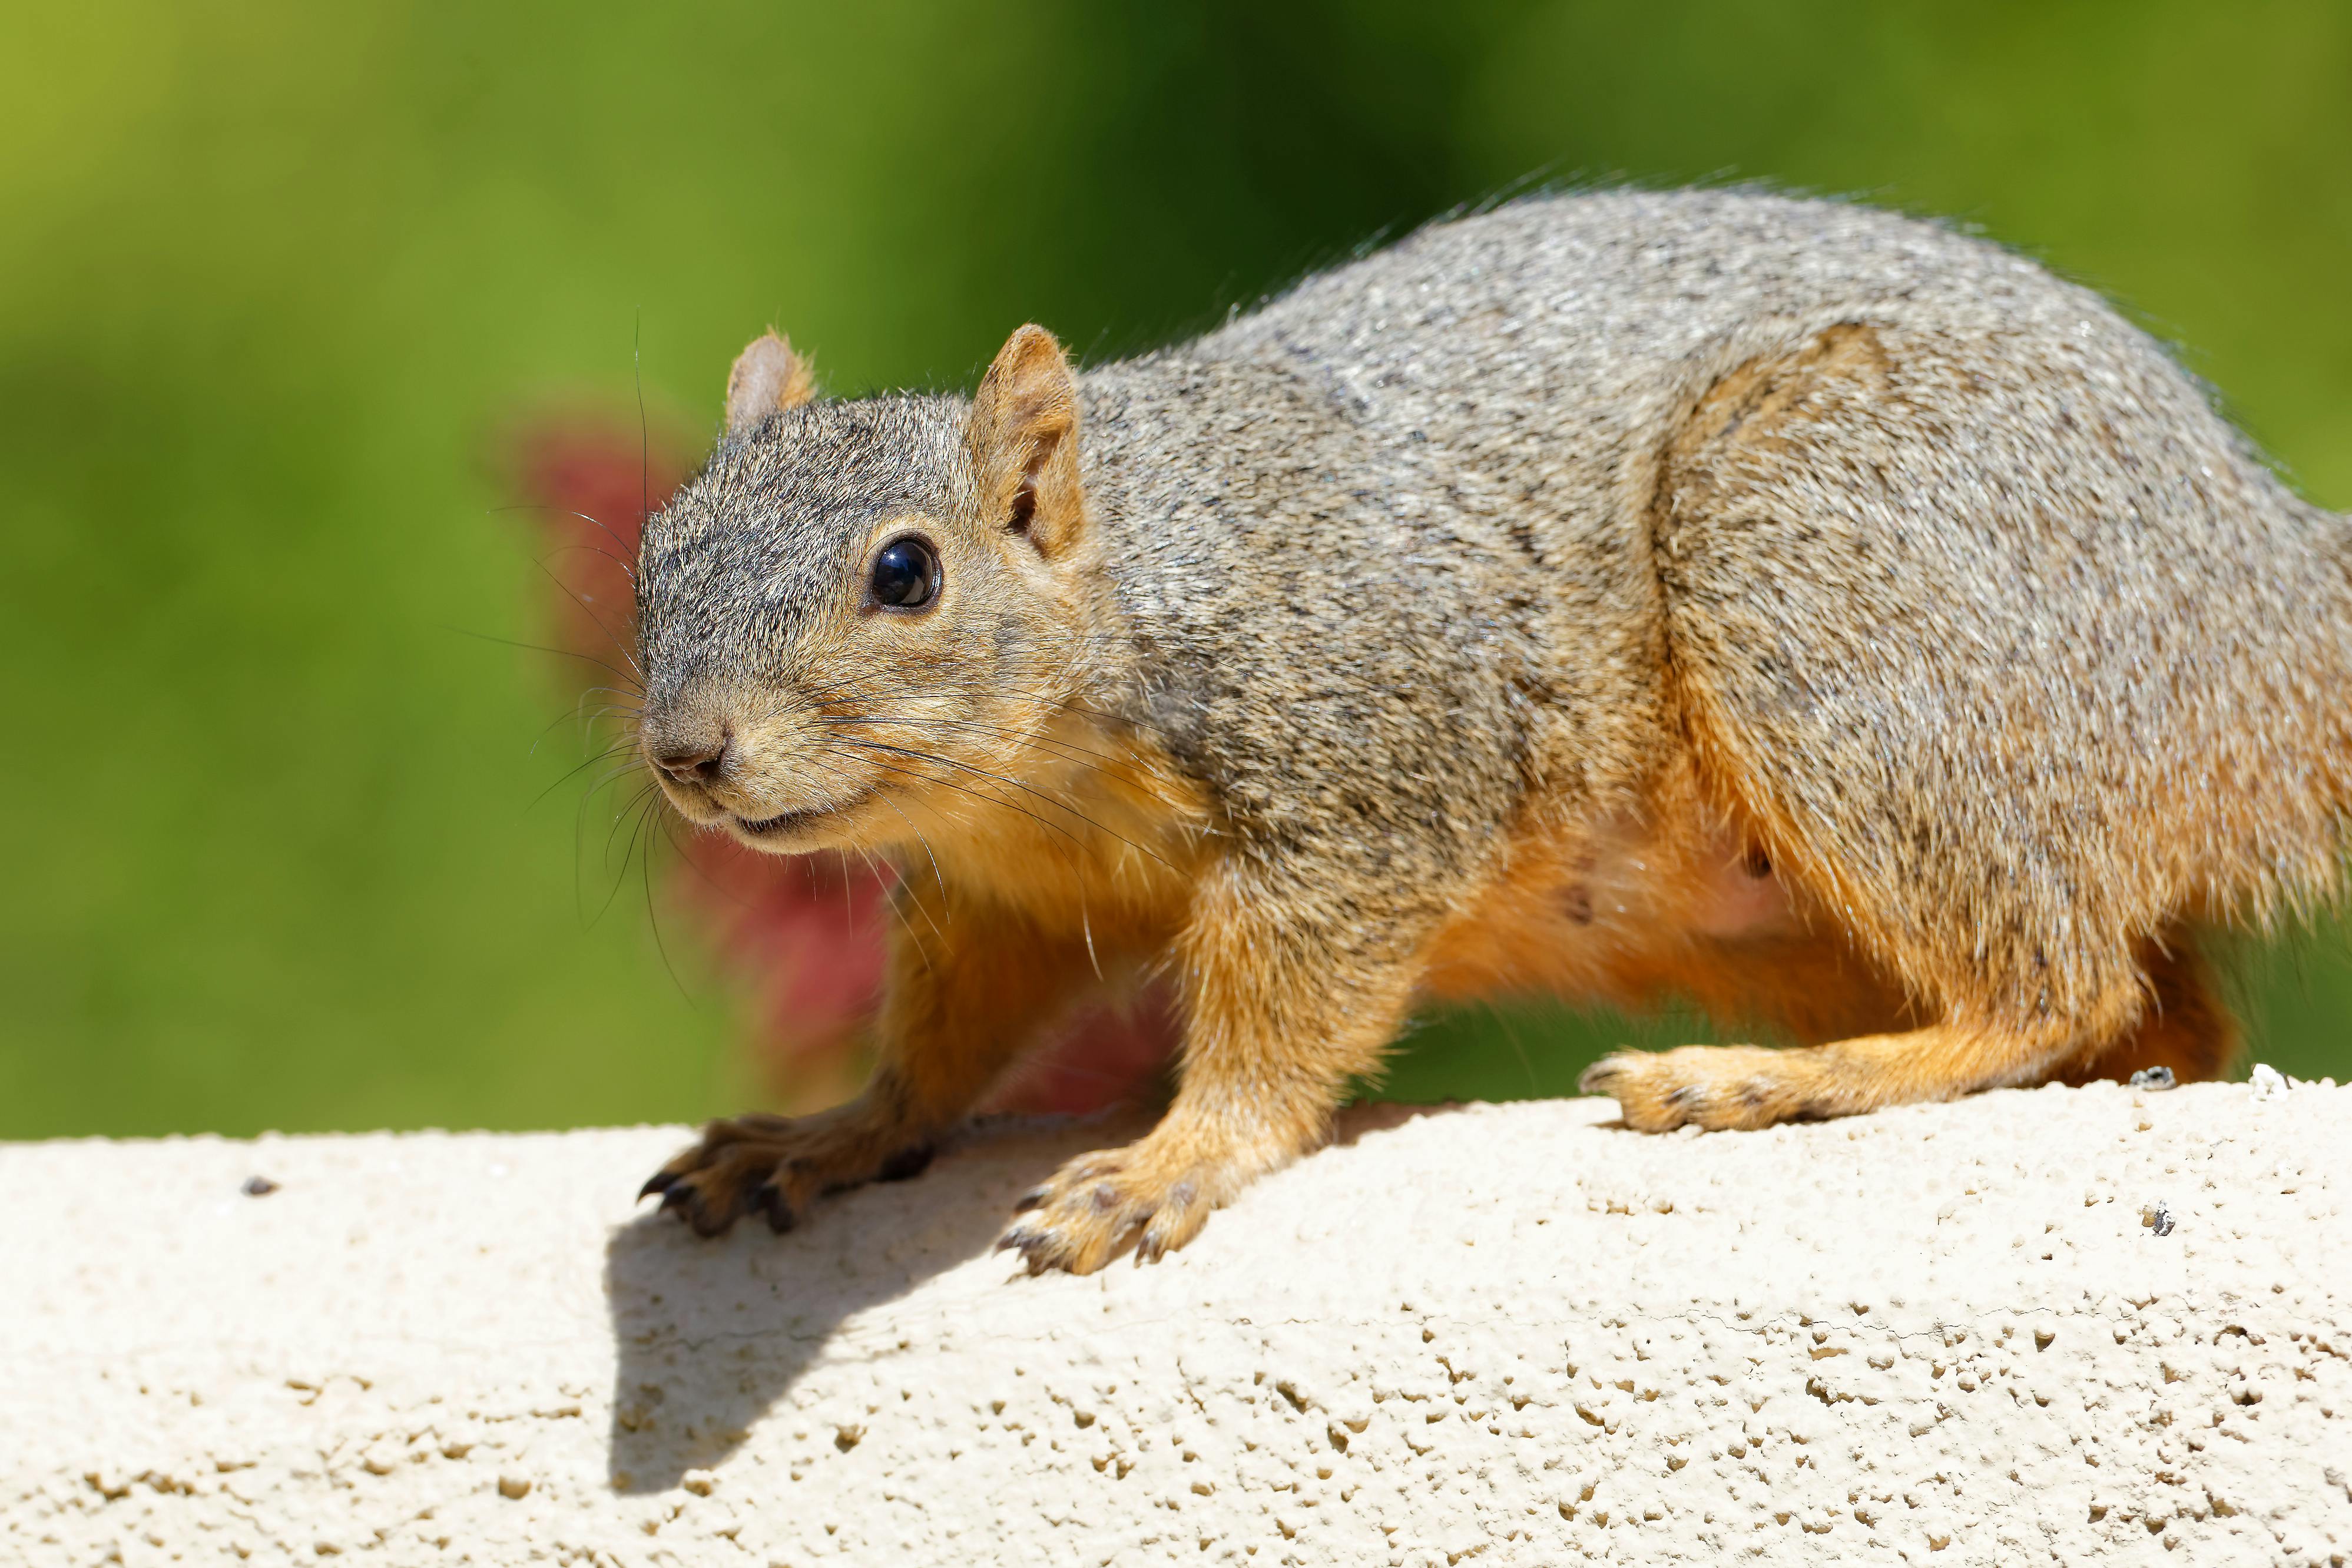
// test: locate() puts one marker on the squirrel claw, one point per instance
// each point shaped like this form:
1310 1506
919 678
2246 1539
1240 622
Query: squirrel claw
769 1200
1039 1249
660 1181
1598 1078
691 1206
1031 1245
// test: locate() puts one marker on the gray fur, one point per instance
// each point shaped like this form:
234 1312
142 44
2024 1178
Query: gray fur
748 557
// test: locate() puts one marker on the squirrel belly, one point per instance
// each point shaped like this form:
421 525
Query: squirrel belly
1823 617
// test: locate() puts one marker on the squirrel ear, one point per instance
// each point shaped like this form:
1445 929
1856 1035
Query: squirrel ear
1023 437
768 378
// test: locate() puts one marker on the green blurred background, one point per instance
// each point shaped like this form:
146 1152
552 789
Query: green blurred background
272 276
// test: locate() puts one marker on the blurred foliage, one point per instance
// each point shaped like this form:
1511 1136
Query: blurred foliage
273 275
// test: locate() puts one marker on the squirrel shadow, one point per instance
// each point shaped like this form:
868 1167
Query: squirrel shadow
713 1334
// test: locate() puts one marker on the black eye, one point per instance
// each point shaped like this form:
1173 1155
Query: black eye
906 574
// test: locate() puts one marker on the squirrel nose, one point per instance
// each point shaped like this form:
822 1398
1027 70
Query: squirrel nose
692 763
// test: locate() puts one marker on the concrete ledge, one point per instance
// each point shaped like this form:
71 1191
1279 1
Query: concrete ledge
1514 1333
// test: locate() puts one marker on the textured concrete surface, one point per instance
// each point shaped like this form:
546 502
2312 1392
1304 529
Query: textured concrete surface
1510 1335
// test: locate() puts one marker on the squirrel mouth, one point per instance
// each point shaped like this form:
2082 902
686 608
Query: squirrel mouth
785 822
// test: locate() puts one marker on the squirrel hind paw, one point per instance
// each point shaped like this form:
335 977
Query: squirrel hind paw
1717 1087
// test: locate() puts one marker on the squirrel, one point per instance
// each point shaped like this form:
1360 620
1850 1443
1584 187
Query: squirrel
1819 615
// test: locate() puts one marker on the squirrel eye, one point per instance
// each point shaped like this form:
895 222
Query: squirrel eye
906 574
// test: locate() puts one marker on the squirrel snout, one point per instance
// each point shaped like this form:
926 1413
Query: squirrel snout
693 761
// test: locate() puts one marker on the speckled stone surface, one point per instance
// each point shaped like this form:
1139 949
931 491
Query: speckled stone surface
1515 1334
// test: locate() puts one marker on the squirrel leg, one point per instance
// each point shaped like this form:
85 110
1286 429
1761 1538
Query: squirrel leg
1722 1086
2185 1027
2176 1021
1279 1019
1915 676
968 988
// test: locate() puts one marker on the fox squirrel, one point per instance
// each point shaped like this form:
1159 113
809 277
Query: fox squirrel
1820 615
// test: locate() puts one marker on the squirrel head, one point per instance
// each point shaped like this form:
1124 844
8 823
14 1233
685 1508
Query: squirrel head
862 612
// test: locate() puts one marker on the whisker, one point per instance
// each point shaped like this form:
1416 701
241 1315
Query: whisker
581 712
573 772
624 813
606 780
1068 851
629 813
1016 784
631 571
565 512
934 859
588 610
961 790
669 831
1018 738
1046 698
644 441
913 936
590 720
560 653
580 832
653 916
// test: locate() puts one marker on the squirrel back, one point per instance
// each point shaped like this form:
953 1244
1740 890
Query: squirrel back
2018 643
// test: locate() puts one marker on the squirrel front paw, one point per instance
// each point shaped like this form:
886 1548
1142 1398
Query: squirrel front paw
1088 1212
777 1166
1712 1086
